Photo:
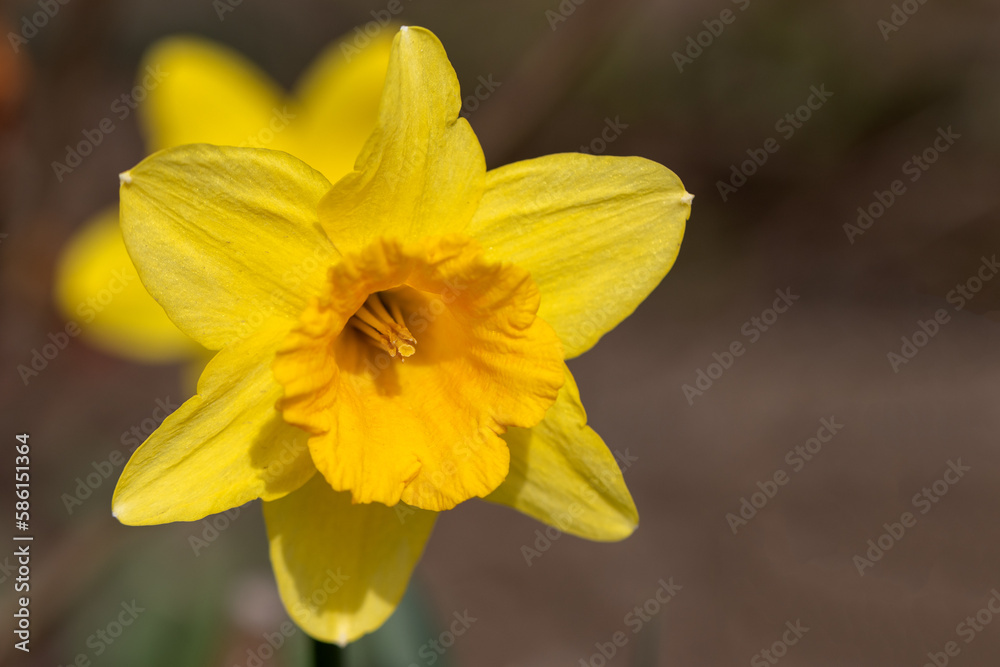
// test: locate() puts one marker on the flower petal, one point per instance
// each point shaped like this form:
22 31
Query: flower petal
203 92
596 233
342 568
223 238
337 103
562 474
98 288
422 171
220 449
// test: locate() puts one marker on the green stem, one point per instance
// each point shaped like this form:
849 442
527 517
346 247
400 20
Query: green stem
327 655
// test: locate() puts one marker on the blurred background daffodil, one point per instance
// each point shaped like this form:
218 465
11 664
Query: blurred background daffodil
208 93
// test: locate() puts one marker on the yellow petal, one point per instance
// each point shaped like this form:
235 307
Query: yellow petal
562 474
224 238
596 233
342 568
423 430
203 92
422 171
98 288
220 449
337 104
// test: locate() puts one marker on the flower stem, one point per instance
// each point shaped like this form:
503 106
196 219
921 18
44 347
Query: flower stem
327 655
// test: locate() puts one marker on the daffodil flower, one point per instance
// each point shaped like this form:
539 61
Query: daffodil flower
208 93
391 345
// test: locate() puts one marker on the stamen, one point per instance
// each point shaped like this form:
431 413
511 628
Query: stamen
369 318
378 308
387 330
373 334
397 314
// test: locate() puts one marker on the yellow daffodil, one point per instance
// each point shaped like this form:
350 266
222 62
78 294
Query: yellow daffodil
203 92
402 333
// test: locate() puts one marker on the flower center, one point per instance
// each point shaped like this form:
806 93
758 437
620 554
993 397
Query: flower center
427 433
383 326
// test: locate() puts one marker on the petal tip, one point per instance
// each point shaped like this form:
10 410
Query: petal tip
687 198
624 530
122 510
118 512
125 178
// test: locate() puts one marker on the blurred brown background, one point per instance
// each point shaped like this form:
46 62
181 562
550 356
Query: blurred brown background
689 462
